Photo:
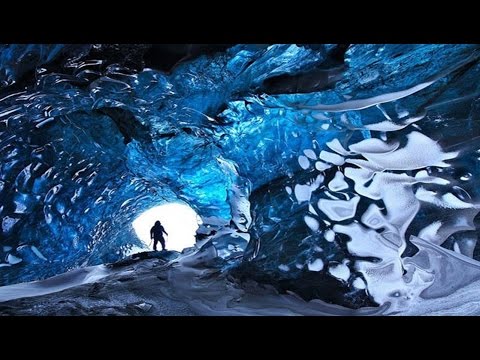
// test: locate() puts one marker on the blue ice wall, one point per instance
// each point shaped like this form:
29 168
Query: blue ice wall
87 145
75 173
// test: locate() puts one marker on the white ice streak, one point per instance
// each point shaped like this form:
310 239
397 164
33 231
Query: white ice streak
304 192
303 162
309 153
374 146
338 182
358 283
316 265
339 210
391 126
446 201
329 235
389 97
340 271
311 223
331 158
336 146
321 166
430 231
419 152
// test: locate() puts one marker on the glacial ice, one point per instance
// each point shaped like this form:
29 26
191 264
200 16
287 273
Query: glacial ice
338 182
340 271
378 169
339 210
316 265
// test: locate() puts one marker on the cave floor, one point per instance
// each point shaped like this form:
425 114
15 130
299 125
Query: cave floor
134 290
187 286
190 285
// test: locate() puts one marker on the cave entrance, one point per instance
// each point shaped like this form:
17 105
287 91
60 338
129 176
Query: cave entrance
179 220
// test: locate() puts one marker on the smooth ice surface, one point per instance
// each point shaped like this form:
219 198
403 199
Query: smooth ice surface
54 284
409 157
331 158
329 235
304 162
339 210
340 271
312 223
316 265
359 284
303 192
338 182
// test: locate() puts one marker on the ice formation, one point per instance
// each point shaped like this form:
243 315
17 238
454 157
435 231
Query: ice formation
359 190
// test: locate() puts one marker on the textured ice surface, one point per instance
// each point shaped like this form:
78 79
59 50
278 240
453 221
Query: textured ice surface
338 209
316 265
405 172
340 271
338 182
377 166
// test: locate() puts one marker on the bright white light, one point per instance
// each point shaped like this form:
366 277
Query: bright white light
180 222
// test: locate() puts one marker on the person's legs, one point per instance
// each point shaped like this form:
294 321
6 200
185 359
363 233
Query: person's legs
155 241
162 241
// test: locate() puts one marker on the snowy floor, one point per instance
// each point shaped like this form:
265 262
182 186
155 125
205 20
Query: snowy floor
54 284
187 286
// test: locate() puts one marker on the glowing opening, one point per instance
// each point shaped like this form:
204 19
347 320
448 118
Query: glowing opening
180 222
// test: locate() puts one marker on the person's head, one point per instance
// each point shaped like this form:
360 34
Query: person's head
157 223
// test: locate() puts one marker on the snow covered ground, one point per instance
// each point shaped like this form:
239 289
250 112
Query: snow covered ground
54 284
191 284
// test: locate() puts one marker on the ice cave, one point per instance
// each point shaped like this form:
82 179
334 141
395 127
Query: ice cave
292 179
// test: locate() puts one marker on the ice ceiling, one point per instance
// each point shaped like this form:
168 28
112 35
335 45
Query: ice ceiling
345 173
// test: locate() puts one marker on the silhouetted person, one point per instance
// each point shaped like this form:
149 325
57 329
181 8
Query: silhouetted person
156 233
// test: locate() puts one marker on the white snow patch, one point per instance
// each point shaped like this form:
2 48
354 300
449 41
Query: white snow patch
321 166
12 259
54 284
7 223
329 235
331 158
374 146
358 283
303 162
447 201
412 156
456 248
339 210
338 183
373 218
310 154
430 232
304 192
311 209
336 146
316 265
311 223
38 253
340 271
283 267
